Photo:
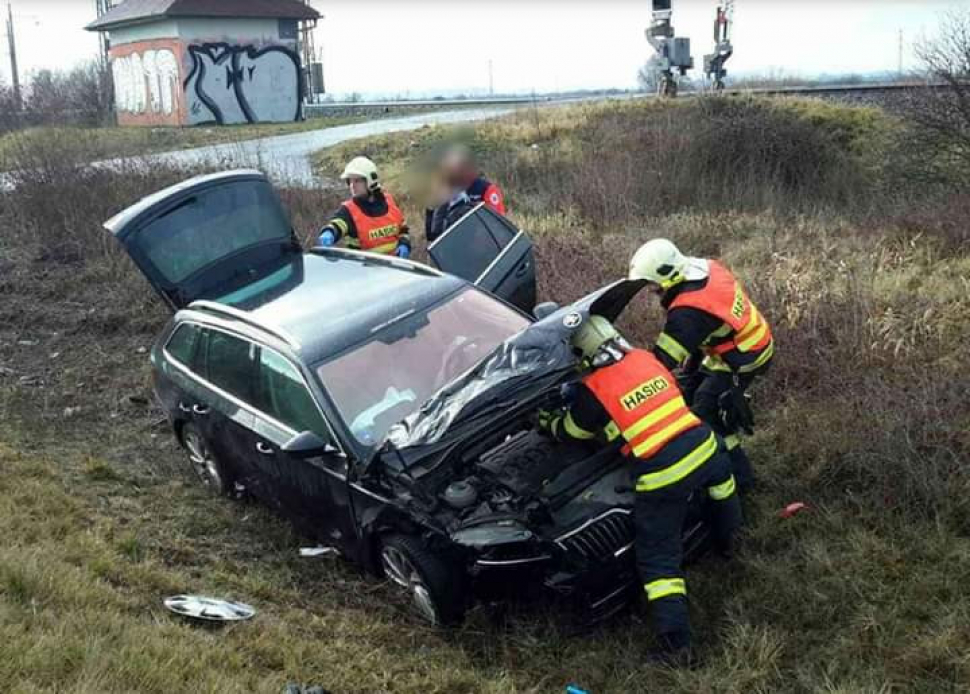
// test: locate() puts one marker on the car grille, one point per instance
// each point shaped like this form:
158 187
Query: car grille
602 537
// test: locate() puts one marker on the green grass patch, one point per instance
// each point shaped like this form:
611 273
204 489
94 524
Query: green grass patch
864 417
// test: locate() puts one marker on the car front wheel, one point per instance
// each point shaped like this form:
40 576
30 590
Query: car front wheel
431 584
207 468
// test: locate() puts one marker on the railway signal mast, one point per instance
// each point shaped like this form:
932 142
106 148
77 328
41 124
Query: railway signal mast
714 63
672 53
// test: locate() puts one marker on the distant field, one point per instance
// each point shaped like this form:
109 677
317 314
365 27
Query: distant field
109 142
862 267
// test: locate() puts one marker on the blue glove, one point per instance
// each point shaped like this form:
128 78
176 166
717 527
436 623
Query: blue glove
327 238
403 252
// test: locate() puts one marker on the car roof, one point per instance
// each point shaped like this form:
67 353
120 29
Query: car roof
327 300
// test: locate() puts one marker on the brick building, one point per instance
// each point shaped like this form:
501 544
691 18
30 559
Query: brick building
193 62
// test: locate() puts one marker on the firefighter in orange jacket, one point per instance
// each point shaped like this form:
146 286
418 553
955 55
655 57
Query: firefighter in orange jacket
370 220
714 334
629 398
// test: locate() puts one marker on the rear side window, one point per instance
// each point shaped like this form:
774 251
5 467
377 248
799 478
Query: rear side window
284 395
211 225
183 343
230 363
472 244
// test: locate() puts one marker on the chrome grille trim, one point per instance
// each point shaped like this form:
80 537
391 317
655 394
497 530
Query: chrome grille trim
608 535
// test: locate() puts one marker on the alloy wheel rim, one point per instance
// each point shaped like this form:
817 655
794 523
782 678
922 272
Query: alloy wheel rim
401 571
202 461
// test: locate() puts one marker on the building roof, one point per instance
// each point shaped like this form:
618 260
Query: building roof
142 11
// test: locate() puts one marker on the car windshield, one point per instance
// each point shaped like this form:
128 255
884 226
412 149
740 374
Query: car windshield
385 379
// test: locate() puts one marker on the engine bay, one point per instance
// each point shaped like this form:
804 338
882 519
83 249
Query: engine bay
535 480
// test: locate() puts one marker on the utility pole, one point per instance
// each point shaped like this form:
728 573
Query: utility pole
901 52
491 81
14 75
102 8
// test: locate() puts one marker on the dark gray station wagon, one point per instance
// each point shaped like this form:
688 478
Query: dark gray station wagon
384 406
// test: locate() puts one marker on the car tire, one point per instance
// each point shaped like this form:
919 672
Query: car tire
433 586
205 465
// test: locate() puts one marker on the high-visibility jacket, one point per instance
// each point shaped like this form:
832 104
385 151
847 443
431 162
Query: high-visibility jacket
724 298
377 234
643 400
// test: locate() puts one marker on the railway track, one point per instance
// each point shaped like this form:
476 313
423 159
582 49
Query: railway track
844 92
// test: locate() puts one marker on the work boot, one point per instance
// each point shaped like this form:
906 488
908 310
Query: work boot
673 650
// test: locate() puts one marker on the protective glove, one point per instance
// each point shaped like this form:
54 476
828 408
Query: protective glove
403 252
545 419
327 238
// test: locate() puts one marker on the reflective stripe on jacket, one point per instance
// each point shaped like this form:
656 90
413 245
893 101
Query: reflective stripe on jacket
723 298
377 234
643 400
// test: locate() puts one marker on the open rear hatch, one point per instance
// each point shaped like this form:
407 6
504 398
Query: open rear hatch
208 236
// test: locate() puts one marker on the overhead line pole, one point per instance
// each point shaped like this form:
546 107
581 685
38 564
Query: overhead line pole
14 75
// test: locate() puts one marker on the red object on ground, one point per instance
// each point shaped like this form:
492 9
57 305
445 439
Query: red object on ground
791 509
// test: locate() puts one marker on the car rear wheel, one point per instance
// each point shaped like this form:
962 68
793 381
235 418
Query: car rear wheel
430 583
207 468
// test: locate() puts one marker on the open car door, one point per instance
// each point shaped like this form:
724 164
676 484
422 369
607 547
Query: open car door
209 236
485 248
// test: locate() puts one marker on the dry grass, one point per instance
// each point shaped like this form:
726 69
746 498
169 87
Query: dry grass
109 142
864 417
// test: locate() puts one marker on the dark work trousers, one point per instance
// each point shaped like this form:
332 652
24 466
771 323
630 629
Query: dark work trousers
660 516
703 400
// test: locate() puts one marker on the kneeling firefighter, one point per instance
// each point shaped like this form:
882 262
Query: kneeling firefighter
370 220
628 398
714 334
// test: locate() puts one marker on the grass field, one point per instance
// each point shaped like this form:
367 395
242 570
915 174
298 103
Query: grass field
109 142
864 417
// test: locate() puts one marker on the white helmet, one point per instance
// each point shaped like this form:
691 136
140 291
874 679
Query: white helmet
659 261
362 167
593 334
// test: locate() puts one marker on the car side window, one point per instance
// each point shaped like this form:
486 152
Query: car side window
467 249
229 364
472 244
501 228
284 395
183 343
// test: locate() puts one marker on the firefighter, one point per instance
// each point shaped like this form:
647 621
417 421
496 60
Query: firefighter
370 220
714 334
627 397
465 187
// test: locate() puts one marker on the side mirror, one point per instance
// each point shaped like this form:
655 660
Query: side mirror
546 308
306 445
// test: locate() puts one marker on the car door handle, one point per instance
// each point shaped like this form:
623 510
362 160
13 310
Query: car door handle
201 410
264 449
184 408
522 269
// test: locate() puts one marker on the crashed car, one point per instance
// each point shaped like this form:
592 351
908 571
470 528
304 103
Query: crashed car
387 407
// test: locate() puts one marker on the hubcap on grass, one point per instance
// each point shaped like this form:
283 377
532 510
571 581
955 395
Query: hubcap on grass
401 571
203 464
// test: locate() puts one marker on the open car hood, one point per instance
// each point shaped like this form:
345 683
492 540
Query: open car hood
536 358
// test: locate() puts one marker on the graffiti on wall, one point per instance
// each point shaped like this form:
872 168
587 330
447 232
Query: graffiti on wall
243 84
147 82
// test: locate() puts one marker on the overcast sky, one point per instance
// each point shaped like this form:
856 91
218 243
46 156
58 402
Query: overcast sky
420 46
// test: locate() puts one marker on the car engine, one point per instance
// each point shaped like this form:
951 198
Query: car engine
533 479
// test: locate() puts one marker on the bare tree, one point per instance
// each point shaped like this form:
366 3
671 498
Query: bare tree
648 77
942 114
